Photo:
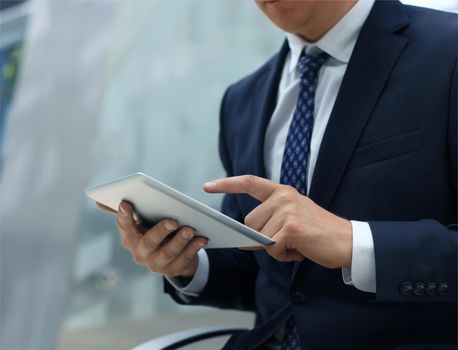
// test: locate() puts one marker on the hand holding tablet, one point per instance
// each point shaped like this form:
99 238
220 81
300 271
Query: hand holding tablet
154 201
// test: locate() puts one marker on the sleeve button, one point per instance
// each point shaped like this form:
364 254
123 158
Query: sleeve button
419 288
443 288
406 288
431 288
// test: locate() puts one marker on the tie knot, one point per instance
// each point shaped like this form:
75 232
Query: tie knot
309 65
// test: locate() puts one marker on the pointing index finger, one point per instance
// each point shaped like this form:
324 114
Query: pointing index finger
255 186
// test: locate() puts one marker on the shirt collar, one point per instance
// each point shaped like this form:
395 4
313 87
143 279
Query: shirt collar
339 41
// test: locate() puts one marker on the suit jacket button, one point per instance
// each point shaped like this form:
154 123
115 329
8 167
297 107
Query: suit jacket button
419 288
298 296
431 288
443 288
406 288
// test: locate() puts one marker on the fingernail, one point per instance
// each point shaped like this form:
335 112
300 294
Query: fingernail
202 244
169 226
186 233
122 210
209 185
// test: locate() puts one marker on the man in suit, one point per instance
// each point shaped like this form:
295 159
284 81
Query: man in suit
343 149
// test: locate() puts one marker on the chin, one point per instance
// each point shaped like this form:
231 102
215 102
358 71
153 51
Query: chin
286 14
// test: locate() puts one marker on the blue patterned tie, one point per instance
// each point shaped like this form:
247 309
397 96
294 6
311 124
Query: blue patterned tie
297 146
296 153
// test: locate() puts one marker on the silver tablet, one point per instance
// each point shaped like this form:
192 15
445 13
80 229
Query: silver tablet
154 201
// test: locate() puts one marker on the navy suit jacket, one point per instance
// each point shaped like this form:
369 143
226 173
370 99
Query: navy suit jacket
389 157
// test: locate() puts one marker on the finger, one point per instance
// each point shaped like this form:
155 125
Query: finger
260 215
153 238
255 186
280 252
286 255
105 208
170 251
130 232
292 255
182 265
273 225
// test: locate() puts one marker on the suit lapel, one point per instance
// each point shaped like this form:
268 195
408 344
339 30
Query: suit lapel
263 105
263 102
372 61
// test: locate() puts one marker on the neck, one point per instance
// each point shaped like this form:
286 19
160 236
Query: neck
328 13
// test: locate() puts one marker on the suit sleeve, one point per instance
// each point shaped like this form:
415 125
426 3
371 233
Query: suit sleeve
417 261
232 272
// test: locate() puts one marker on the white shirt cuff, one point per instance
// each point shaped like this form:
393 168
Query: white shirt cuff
199 280
362 272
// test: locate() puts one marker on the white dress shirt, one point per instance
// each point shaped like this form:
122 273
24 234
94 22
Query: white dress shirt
338 43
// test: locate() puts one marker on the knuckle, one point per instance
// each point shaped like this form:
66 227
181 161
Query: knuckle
291 226
167 254
188 257
248 220
274 252
148 243
250 180
286 211
141 253
288 214
293 220
290 189
287 194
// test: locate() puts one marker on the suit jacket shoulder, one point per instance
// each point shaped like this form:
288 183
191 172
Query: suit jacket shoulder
437 29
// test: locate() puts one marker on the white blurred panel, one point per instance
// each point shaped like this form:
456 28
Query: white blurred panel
45 167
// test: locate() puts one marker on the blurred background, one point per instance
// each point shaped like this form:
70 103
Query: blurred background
91 91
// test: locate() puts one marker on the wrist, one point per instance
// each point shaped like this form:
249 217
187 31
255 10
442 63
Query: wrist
346 242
